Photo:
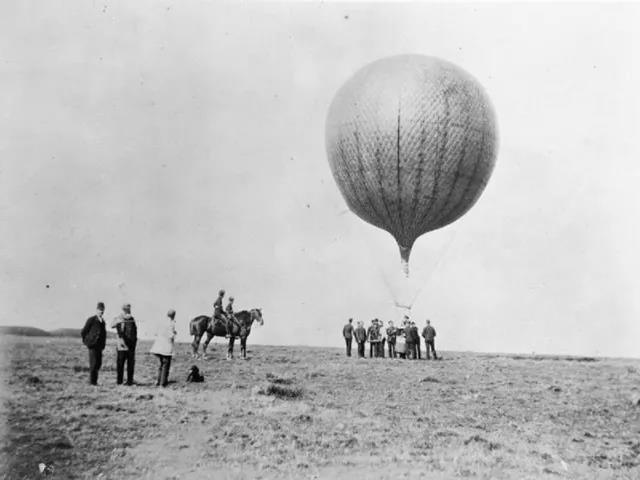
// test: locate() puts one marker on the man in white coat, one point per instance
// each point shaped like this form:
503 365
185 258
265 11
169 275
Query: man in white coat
163 347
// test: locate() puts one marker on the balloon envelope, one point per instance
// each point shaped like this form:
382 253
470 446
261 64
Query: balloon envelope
411 142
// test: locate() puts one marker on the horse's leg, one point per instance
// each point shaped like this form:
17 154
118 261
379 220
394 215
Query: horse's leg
195 344
232 340
206 343
243 347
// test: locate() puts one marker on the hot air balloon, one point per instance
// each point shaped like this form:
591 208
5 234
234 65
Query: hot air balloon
411 142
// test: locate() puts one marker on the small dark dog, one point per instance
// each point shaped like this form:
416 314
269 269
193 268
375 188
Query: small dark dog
195 375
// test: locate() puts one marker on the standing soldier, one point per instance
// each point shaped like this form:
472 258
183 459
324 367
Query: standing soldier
94 336
416 339
429 334
391 340
360 335
127 331
408 336
372 335
382 337
347 333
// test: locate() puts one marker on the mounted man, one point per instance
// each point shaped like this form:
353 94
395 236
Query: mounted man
218 312
232 321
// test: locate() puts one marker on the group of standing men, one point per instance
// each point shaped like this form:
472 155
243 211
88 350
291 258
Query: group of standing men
406 337
94 336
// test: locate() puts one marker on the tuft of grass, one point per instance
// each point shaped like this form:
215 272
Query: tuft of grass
282 391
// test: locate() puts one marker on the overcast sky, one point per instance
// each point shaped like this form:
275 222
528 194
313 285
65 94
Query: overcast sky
154 152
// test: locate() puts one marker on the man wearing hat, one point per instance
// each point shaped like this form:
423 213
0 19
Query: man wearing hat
231 318
347 334
360 335
408 335
429 334
218 312
163 347
127 331
416 340
94 336
391 340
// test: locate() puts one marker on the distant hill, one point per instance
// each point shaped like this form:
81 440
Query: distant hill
65 332
25 331
38 332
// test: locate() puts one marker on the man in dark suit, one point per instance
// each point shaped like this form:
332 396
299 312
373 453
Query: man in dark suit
360 335
408 338
94 336
347 333
429 334
416 340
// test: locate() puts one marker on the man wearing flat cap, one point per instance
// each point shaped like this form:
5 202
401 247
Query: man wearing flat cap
347 334
94 336
232 321
218 312
163 347
127 331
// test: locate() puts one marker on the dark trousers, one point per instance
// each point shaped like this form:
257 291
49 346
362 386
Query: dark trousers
128 356
95 362
391 347
381 348
411 351
361 349
418 349
430 345
163 369
372 349
348 342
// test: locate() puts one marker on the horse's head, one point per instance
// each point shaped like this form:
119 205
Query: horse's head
256 316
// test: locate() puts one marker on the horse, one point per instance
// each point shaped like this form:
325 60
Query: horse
204 324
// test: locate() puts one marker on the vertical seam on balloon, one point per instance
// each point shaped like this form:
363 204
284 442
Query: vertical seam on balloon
381 185
402 232
473 173
440 163
372 206
345 169
421 155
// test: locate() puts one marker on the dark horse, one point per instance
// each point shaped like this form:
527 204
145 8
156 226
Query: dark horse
204 324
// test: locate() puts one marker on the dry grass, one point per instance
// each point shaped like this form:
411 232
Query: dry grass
312 413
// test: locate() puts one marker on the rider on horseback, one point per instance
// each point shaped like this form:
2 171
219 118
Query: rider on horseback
218 314
231 318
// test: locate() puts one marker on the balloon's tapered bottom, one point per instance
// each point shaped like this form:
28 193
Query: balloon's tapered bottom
405 252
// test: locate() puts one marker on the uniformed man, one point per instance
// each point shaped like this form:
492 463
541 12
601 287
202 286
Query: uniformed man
416 339
347 333
218 313
408 335
429 334
382 337
360 335
232 321
391 340
373 336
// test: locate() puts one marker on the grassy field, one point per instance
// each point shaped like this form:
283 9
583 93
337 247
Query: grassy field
295 412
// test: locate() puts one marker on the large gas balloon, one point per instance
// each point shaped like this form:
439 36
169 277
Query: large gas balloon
412 142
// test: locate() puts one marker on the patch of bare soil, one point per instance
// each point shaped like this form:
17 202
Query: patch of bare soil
312 413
